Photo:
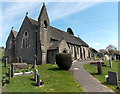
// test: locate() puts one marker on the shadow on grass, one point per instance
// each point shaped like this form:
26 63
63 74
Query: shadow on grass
34 84
7 81
31 79
94 73
54 69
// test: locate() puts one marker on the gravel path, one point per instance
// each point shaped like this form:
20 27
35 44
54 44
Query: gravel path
88 82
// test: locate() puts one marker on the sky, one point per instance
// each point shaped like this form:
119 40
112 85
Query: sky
95 22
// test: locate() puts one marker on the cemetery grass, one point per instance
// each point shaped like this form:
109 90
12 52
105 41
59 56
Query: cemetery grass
55 81
0 77
92 69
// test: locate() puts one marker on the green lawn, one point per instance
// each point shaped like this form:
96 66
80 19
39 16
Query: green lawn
1 53
93 70
55 81
0 76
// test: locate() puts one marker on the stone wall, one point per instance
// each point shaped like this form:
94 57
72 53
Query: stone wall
26 54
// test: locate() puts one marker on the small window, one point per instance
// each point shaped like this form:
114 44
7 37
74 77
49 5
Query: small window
45 24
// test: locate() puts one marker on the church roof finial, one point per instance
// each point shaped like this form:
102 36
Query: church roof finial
12 28
43 4
26 13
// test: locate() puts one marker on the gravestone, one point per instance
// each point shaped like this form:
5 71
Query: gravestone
20 65
35 74
6 61
99 67
112 78
3 81
38 80
12 70
110 62
34 66
9 74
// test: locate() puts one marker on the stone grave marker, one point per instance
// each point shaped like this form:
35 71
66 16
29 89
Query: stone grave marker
35 74
9 74
110 62
38 80
6 61
112 78
12 70
99 67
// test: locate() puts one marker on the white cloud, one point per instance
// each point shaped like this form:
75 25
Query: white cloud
57 12
97 44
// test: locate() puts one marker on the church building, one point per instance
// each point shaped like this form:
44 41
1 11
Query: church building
37 39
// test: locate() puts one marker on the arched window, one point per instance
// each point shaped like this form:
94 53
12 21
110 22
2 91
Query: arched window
45 24
25 40
10 44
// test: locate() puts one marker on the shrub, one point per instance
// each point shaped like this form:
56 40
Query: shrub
64 61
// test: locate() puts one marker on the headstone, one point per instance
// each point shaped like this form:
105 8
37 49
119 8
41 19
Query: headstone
115 57
20 65
99 67
35 74
112 78
95 57
3 80
12 70
38 80
110 62
9 74
6 61
34 66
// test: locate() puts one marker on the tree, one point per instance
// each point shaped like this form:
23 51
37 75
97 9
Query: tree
111 49
69 30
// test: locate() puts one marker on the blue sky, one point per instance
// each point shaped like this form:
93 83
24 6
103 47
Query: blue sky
95 22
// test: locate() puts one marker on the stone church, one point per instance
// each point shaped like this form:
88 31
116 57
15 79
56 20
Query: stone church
37 39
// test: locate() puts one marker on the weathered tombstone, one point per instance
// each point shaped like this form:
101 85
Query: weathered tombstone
3 80
6 61
34 66
110 62
12 70
112 78
95 57
38 80
99 67
35 74
9 74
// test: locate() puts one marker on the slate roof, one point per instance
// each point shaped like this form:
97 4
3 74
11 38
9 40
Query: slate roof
58 34
55 45
14 33
34 22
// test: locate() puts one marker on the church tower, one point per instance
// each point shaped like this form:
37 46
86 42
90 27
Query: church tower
44 32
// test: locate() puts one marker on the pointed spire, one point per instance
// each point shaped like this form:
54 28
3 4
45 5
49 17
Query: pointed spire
43 10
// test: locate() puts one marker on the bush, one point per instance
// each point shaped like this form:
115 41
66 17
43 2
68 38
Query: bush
64 61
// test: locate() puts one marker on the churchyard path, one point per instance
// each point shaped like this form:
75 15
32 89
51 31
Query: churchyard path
87 81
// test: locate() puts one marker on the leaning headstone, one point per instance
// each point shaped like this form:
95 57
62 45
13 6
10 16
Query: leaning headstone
112 78
110 62
12 71
99 67
38 80
9 74
6 61
35 74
